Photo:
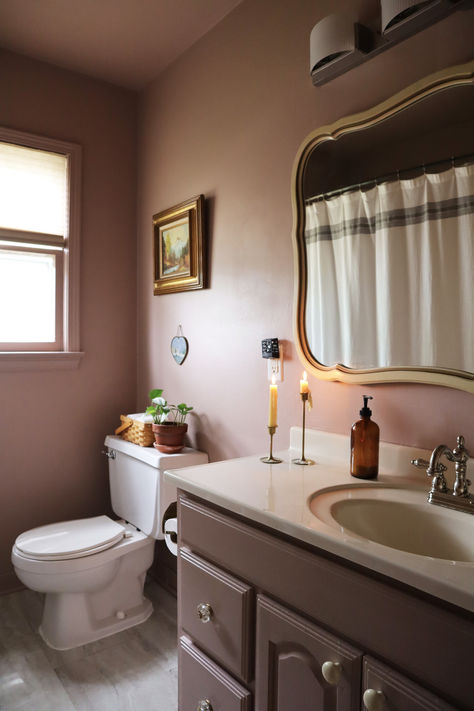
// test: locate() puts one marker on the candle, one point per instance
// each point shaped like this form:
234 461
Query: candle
272 413
304 384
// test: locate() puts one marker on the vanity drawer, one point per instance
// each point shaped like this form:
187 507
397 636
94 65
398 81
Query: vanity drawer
203 686
216 610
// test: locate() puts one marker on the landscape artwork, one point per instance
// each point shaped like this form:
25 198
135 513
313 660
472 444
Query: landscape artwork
175 248
178 248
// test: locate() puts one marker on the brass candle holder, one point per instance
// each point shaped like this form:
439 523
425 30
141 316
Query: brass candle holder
302 459
271 459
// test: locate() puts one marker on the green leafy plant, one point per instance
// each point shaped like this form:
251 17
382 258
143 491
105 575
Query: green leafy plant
164 413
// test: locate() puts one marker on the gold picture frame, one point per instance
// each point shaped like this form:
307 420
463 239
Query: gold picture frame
178 241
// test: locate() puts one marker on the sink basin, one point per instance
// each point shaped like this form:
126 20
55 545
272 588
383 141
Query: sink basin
398 518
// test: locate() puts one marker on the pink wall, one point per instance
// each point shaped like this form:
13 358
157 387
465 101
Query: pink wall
226 120
52 424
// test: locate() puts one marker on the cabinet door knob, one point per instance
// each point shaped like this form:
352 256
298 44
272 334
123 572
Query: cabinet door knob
204 611
204 705
373 700
331 671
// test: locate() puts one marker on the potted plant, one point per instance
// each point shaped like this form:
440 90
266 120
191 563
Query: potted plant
169 426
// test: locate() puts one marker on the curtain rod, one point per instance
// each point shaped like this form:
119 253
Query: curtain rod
396 174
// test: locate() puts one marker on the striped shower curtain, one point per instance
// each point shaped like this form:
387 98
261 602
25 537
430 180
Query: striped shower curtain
391 274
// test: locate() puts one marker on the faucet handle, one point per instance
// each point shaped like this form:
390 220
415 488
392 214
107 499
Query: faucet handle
420 463
439 482
460 457
423 464
460 450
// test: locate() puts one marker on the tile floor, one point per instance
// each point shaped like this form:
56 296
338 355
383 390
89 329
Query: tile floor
134 670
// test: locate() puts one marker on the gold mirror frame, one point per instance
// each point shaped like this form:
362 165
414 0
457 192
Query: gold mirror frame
460 75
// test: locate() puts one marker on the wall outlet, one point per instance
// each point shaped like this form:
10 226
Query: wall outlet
275 367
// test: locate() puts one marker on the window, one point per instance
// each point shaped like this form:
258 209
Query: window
39 246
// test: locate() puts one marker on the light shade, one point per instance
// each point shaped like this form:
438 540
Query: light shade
330 38
395 11
337 43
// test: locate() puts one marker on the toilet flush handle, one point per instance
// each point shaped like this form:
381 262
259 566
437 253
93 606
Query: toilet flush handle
110 453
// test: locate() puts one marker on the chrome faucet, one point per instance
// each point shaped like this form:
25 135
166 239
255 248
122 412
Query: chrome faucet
459 498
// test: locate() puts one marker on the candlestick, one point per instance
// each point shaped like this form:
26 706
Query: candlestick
271 459
302 459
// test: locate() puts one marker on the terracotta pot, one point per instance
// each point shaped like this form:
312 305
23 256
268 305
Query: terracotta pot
169 438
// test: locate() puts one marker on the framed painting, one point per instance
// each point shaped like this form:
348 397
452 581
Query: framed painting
178 236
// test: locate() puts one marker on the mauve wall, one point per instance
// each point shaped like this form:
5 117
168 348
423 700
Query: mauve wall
226 120
52 424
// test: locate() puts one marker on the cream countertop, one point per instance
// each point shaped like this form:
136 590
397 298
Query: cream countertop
277 496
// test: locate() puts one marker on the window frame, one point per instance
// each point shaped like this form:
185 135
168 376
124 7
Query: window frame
41 356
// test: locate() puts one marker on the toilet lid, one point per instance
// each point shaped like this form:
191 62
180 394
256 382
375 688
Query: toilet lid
70 539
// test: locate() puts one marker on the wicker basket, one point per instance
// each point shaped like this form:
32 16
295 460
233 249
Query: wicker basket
135 431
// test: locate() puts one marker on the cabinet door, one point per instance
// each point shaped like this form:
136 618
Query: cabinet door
386 690
300 666
204 686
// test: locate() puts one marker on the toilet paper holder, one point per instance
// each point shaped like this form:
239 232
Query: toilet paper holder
170 530
173 535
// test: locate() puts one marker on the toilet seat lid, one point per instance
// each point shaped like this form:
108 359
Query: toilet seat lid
70 539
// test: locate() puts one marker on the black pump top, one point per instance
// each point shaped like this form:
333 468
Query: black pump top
366 411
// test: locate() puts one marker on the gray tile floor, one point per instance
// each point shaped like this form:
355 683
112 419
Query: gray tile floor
134 670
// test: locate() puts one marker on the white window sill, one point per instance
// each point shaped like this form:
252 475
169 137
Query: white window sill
34 360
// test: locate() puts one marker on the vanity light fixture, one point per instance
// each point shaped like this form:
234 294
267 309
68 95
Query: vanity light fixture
339 43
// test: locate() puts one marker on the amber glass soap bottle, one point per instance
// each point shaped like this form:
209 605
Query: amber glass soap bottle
365 445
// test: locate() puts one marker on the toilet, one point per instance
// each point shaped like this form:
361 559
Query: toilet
93 570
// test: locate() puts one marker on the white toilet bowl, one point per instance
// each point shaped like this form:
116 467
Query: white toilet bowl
92 591
93 570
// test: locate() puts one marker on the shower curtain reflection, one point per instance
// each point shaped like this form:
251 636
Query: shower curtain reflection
380 264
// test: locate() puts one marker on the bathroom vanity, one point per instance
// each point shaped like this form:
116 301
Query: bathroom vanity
278 609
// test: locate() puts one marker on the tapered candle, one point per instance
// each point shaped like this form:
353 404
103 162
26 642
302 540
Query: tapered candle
272 413
304 384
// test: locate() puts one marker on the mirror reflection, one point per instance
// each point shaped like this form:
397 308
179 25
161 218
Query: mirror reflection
385 238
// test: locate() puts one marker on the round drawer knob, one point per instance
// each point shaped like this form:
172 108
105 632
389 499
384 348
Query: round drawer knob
373 700
204 611
204 705
331 672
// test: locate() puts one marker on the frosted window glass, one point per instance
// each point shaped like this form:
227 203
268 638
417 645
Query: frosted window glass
27 297
33 190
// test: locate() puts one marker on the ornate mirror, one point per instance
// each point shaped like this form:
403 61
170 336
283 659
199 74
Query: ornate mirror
383 205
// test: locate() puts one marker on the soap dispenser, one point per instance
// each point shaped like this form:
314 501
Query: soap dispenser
365 445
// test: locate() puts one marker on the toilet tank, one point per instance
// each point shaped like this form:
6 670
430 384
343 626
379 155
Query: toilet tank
138 491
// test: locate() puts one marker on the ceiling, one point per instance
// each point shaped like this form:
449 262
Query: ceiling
125 42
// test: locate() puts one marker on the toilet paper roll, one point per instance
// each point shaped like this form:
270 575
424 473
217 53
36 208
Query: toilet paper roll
171 535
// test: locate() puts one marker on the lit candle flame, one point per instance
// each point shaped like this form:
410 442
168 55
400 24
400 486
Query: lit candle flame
304 384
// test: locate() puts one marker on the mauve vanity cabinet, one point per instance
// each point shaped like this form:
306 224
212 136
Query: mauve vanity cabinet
268 624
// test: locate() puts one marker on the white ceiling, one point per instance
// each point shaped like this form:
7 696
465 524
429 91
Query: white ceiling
125 42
